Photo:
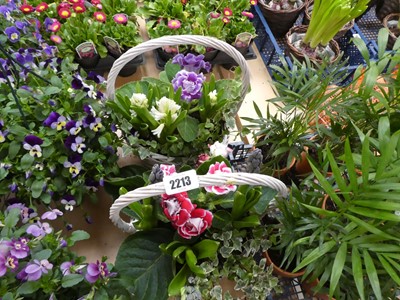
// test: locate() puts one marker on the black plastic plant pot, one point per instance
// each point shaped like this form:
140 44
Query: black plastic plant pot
280 21
88 62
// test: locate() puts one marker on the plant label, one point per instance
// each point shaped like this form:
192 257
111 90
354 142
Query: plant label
112 44
86 50
243 39
181 182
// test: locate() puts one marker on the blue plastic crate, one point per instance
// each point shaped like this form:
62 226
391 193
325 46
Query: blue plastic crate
272 49
368 27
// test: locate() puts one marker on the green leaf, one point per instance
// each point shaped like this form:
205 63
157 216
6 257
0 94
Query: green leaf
206 249
371 228
389 269
320 211
8 296
357 272
372 275
12 218
376 214
71 280
315 254
37 188
44 254
337 267
29 287
221 219
27 161
3 173
140 263
188 128
178 282
191 261
249 222
13 149
52 90
79 235
267 196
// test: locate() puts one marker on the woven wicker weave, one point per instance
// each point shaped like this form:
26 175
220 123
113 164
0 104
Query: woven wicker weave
204 180
172 40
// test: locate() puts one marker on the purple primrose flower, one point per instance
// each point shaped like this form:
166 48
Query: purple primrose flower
191 62
191 84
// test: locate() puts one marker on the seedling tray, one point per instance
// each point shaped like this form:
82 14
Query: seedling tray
273 50
368 27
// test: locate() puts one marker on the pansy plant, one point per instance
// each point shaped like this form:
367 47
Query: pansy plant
37 259
55 134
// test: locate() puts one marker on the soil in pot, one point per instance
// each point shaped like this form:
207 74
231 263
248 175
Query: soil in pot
390 22
281 16
294 40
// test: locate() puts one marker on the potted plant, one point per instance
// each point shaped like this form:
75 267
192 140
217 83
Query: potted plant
281 139
178 115
354 247
391 22
191 260
218 19
56 138
327 19
37 262
281 14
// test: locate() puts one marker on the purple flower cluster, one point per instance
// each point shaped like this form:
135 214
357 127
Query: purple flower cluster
96 271
191 84
191 62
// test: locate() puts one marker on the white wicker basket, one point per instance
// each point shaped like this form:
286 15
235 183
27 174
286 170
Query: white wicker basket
173 40
204 180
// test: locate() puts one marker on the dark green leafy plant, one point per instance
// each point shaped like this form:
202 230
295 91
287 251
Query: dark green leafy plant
191 264
358 242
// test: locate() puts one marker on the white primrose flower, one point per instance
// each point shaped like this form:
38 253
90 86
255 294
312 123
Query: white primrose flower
158 130
165 107
139 100
213 96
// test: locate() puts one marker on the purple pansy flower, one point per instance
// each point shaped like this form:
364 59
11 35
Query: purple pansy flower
63 243
91 184
191 84
39 229
66 267
5 11
191 62
95 77
78 145
74 165
13 187
74 127
35 269
92 122
52 214
68 141
12 33
77 82
8 262
68 201
19 248
52 118
88 109
32 143
97 271
21 25
27 214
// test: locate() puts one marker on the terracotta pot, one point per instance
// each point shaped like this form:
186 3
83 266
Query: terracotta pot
394 33
280 21
300 54
281 172
280 272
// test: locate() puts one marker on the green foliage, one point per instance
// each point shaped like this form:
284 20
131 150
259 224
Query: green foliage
178 128
358 241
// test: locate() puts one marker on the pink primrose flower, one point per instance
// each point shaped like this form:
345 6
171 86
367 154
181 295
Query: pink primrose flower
100 16
174 24
227 12
219 168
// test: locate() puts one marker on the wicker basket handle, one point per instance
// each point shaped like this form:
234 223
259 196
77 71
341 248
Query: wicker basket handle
172 40
204 180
